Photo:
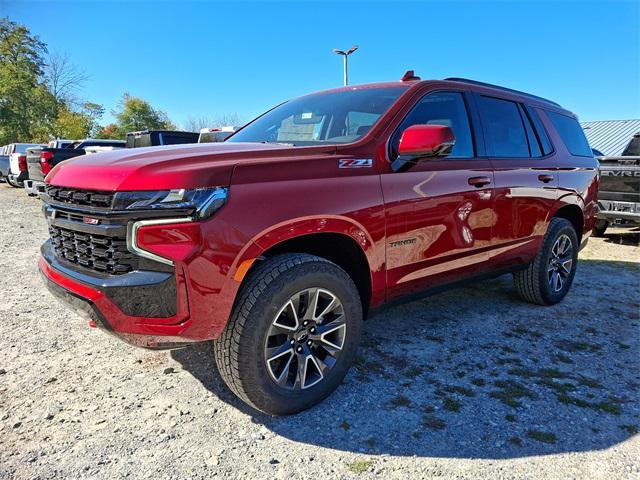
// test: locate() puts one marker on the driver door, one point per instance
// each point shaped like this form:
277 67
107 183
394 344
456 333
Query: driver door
439 213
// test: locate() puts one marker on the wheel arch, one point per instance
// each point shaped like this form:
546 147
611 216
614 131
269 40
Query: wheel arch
571 208
340 240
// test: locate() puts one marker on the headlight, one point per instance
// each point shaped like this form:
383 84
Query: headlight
204 201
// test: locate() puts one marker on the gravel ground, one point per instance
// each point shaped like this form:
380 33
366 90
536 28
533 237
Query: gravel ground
472 383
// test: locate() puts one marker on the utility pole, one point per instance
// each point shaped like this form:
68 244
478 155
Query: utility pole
345 56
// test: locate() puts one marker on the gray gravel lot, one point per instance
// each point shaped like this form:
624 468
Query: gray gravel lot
471 383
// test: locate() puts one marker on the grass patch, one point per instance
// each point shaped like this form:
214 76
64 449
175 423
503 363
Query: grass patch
544 437
515 441
433 338
467 392
510 392
589 382
631 429
399 401
451 404
563 358
540 373
434 423
413 372
509 361
572 347
604 406
557 386
360 466
479 382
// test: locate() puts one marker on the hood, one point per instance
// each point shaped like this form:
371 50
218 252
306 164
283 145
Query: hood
160 168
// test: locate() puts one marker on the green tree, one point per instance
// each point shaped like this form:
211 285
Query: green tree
137 114
78 124
25 103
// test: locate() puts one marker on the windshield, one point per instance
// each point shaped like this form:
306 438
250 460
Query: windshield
324 118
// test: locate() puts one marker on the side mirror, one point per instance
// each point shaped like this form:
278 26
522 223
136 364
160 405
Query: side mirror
419 141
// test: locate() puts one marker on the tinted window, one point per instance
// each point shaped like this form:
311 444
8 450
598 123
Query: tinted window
503 128
543 138
534 144
440 108
571 133
322 118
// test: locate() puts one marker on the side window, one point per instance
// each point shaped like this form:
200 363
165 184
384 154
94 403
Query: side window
503 128
534 145
543 138
571 133
440 108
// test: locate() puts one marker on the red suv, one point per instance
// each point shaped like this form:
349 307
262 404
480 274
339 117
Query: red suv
278 242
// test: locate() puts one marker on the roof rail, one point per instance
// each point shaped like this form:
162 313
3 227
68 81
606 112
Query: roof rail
484 84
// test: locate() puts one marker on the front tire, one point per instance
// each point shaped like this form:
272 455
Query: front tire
547 280
292 335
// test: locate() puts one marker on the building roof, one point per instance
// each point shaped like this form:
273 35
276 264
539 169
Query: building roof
610 136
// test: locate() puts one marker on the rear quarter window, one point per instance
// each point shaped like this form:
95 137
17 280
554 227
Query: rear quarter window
571 134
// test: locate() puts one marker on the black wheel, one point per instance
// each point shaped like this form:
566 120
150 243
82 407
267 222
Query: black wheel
292 335
600 228
548 278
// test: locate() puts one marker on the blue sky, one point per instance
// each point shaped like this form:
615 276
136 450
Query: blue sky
213 58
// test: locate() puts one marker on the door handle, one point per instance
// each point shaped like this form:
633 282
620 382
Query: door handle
545 178
479 181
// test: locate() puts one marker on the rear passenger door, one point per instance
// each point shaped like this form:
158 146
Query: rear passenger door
526 177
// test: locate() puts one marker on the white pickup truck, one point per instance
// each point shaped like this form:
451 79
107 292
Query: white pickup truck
18 163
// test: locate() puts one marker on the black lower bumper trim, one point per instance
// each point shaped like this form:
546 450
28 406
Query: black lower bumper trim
137 294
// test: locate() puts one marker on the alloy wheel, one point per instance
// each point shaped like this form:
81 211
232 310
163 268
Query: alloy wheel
560 263
305 339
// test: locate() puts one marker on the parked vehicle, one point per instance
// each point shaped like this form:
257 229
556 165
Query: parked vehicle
619 196
4 162
18 172
278 242
41 160
214 135
154 138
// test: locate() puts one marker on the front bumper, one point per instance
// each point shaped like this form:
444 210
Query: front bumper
105 302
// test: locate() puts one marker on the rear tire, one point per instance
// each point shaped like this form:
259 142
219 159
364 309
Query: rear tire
547 279
264 353
600 228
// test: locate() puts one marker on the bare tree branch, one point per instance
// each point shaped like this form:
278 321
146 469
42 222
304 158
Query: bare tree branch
64 78
195 123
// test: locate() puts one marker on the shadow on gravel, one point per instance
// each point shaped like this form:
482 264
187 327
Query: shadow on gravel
476 373
628 237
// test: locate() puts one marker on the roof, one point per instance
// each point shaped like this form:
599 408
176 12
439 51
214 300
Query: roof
611 136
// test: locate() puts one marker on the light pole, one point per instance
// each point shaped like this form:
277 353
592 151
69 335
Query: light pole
345 55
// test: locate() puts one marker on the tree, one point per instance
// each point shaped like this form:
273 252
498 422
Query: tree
26 105
63 78
78 124
198 122
109 131
137 114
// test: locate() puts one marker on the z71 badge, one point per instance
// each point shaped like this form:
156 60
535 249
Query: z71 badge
355 163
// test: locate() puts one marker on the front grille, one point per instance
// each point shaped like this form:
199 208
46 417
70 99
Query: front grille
74 196
97 252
